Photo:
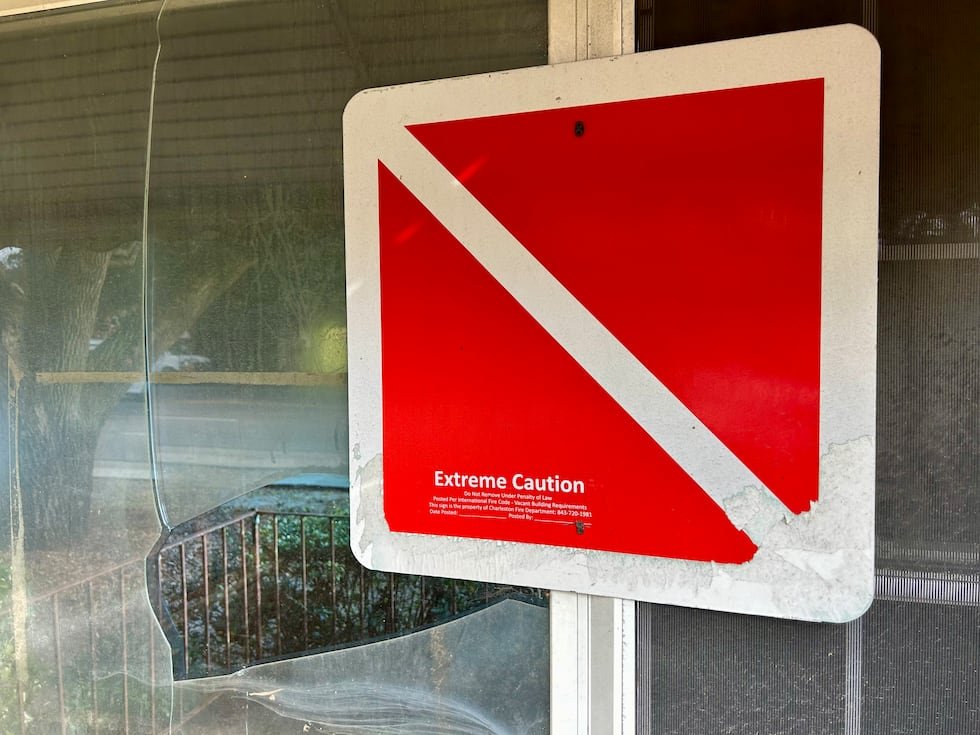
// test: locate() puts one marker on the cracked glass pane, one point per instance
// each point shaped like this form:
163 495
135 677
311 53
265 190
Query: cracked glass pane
173 349
80 649
477 675
247 324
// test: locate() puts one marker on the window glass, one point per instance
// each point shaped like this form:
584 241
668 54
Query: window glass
247 335
79 646
174 363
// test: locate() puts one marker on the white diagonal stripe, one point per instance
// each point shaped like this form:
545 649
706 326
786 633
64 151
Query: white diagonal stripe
649 402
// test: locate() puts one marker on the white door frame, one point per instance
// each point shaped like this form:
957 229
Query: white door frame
593 639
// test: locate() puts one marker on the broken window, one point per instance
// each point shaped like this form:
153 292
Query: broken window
172 314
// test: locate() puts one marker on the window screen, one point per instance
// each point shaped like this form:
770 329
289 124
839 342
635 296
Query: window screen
909 665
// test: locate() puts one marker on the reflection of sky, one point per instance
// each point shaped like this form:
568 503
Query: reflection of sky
10 258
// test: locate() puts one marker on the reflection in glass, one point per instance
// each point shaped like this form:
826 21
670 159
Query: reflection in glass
482 674
271 575
79 646
245 220
222 253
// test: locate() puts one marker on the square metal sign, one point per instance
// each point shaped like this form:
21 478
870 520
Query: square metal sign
612 325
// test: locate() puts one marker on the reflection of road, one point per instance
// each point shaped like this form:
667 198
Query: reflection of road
264 428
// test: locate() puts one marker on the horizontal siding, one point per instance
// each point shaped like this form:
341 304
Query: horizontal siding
250 95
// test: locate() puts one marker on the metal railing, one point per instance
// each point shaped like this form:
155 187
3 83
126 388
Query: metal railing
256 587
261 586
95 659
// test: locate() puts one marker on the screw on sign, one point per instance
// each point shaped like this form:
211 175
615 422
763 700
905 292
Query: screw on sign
648 351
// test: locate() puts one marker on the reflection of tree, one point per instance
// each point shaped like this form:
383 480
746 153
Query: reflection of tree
298 248
258 270
276 317
54 304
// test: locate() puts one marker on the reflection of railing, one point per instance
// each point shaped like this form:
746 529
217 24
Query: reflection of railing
262 585
94 659
255 587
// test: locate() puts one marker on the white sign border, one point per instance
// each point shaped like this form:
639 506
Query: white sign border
793 575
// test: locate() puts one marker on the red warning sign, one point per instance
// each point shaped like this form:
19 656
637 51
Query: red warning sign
612 325
701 256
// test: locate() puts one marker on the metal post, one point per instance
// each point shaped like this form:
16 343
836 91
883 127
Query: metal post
125 644
153 678
207 603
306 606
390 623
363 603
224 564
275 566
93 653
333 583
258 588
592 638
241 529
59 663
187 626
